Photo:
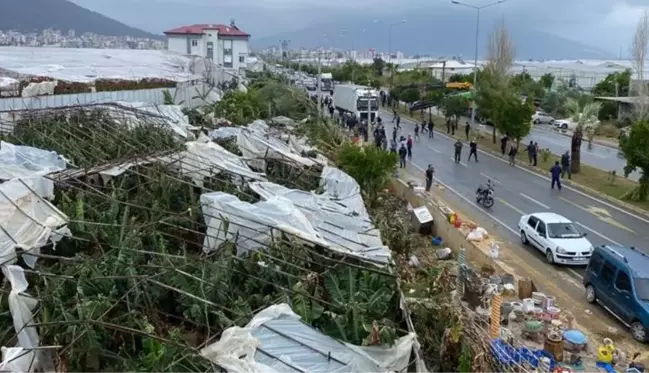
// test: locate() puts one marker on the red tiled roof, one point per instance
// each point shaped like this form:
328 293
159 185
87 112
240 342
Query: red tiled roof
199 29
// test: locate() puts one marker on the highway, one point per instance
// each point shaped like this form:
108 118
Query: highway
519 191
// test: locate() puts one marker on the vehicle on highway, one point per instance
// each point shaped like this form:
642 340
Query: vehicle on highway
565 124
618 278
484 195
326 81
361 101
555 236
540 117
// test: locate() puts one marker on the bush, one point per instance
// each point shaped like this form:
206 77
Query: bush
607 129
545 154
370 166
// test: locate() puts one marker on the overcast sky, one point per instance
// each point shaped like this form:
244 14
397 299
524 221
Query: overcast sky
605 23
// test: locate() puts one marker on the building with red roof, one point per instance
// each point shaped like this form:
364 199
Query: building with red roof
226 45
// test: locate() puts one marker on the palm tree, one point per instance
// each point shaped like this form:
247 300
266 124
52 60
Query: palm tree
586 118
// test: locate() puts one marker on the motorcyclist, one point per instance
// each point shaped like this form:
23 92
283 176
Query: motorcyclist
484 189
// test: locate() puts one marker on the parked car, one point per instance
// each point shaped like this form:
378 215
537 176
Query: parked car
556 237
618 279
540 117
565 124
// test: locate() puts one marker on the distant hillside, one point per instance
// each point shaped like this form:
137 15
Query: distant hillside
37 15
447 32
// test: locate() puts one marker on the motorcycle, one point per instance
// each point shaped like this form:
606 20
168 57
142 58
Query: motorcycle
484 195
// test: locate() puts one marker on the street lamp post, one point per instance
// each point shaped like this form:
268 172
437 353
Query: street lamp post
390 46
477 38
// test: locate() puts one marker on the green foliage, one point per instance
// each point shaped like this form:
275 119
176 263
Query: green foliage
614 83
526 85
461 78
410 95
454 106
634 146
378 65
547 80
545 154
513 115
370 166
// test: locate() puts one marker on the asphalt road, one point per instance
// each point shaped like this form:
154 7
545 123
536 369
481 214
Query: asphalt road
519 191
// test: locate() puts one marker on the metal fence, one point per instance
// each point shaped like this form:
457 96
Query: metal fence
190 95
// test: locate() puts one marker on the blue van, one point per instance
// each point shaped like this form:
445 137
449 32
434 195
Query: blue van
618 278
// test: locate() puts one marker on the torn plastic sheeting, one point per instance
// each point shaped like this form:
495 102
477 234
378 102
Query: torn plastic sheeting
135 114
340 187
29 222
205 159
256 147
276 340
251 225
18 161
225 133
345 232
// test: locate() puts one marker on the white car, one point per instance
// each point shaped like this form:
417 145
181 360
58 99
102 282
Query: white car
540 117
565 124
557 237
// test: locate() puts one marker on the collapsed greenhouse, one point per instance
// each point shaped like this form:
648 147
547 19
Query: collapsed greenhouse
147 245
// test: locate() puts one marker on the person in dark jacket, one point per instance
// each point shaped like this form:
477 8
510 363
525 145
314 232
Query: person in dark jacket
458 150
555 171
409 146
503 144
473 150
535 154
403 152
431 127
530 151
467 130
430 172
565 165
398 121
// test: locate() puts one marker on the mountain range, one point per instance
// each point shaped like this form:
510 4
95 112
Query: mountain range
37 15
446 33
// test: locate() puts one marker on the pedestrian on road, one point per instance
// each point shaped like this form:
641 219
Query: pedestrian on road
565 165
512 153
555 171
473 150
448 125
467 129
398 121
403 152
423 126
458 150
394 115
530 152
416 133
430 172
431 127
379 120
393 146
535 154
409 146
394 133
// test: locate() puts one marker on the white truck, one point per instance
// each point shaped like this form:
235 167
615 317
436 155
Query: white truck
357 99
326 82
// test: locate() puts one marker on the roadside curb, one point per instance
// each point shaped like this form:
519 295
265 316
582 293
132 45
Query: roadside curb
584 189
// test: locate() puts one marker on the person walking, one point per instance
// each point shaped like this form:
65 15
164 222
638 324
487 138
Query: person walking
503 144
535 154
565 165
398 121
402 156
416 133
423 126
431 128
512 153
409 146
473 150
430 172
394 133
393 146
458 150
467 129
530 152
555 171
394 115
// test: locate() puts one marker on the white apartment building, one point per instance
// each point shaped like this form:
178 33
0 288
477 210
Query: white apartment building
225 45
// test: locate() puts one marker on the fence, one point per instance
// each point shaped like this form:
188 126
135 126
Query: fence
189 95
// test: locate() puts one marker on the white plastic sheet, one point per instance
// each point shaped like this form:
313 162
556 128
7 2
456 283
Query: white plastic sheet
345 230
27 162
252 225
256 146
344 189
135 114
276 340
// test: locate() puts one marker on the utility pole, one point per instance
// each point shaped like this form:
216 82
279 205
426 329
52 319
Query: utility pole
319 88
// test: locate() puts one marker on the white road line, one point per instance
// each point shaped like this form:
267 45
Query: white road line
502 224
575 273
463 164
433 149
535 201
597 233
491 178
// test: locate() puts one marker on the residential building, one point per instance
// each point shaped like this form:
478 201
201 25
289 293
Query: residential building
225 45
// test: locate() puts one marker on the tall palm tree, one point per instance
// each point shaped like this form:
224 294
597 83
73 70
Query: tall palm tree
586 119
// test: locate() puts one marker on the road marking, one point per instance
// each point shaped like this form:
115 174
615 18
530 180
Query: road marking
510 206
535 201
491 216
491 178
597 233
601 214
463 164
433 149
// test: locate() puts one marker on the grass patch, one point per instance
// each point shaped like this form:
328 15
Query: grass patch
590 177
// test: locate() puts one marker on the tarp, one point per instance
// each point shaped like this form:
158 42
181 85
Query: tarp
26 162
255 146
276 340
251 225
